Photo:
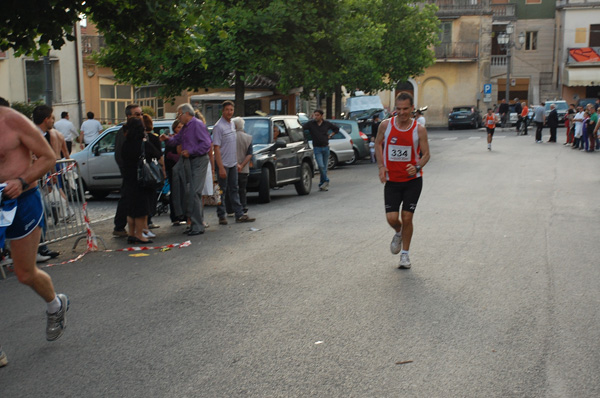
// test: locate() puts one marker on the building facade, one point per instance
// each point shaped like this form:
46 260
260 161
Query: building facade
578 51
23 79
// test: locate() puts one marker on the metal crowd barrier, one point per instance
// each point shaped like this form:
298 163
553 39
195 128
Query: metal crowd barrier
63 197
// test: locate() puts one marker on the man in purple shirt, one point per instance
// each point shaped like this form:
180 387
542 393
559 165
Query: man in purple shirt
195 143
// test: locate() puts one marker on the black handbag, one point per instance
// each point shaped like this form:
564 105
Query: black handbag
149 174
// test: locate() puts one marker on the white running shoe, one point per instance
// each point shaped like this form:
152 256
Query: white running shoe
396 244
57 322
404 261
148 234
41 258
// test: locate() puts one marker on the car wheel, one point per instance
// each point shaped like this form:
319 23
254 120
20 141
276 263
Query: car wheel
305 184
354 158
264 187
332 161
99 195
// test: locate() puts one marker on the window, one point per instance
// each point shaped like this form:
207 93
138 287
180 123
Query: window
106 144
531 41
296 132
36 80
148 96
278 107
114 98
594 36
445 34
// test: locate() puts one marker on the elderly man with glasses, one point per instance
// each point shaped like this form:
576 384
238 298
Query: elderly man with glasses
195 144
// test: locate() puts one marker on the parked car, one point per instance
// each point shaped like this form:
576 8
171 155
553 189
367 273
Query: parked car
360 141
340 148
512 115
561 108
97 166
276 163
464 116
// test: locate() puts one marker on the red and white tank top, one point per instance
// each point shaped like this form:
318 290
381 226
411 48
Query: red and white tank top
401 148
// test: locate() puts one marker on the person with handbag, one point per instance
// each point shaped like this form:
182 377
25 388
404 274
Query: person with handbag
138 153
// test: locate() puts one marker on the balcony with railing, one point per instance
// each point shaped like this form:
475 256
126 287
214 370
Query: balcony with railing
506 11
498 60
91 44
457 51
460 7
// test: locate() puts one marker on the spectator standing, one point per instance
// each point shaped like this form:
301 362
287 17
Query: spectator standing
244 155
90 129
319 129
552 122
570 127
224 143
372 149
155 141
525 117
375 125
131 111
195 144
518 110
504 111
138 197
175 176
539 116
420 118
67 129
578 121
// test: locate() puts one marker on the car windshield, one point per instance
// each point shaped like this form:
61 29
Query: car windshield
259 130
365 113
462 109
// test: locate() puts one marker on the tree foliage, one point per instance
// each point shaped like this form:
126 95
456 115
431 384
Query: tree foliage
192 44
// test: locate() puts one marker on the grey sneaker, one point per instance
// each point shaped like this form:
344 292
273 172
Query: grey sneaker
57 322
325 186
3 359
245 218
404 261
396 244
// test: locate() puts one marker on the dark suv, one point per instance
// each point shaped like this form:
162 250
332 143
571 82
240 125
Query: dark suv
275 163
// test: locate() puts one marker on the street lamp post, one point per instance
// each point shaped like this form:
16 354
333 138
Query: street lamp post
505 40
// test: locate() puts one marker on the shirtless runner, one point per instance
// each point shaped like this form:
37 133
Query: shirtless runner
20 138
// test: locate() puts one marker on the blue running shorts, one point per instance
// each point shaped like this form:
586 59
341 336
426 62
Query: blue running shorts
29 215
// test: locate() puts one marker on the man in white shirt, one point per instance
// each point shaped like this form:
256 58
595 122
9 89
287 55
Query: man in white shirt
578 119
420 118
67 129
90 129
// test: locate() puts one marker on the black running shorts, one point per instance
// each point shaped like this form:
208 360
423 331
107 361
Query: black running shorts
490 131
405 193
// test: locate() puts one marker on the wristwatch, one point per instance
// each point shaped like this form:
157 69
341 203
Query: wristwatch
24 184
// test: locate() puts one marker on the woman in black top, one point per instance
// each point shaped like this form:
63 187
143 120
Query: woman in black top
139 197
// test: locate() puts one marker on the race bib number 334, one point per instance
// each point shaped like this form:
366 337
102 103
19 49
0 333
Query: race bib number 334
398 153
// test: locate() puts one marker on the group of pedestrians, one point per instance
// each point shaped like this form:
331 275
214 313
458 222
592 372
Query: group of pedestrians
582 127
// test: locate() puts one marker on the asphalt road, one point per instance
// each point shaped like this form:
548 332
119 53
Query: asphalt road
502 299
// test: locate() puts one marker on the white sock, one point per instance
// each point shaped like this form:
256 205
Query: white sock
54 305
399 233
404 251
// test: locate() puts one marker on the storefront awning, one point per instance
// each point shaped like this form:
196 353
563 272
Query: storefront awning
229 95
582 76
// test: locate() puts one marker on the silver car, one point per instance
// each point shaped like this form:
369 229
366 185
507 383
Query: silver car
97 166
341 148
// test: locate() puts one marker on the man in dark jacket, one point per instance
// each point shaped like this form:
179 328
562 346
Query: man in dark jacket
320 132
503 110
553 122
518 110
